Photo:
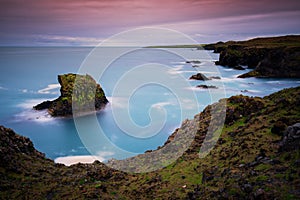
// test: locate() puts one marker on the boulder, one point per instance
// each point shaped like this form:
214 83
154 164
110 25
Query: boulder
291 138
200 77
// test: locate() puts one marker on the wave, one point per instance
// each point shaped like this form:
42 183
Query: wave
3 88
228 69
117 102
71 160
33 115
179 63
160 105
49 89
30 114
30 103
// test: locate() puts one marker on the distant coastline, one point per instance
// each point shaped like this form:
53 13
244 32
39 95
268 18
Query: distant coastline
277 57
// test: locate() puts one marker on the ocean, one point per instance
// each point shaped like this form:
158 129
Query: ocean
149 91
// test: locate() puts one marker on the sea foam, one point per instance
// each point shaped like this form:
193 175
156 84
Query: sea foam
28 113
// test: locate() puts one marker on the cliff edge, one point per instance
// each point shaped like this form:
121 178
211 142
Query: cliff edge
269 57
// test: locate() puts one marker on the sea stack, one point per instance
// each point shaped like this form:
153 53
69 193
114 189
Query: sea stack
80 94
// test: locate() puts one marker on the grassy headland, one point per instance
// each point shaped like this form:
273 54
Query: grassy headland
251 160
269 57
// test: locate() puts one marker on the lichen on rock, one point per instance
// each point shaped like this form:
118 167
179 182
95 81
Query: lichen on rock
80 94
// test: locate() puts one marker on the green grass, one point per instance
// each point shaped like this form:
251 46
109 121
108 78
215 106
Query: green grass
41 177
263 167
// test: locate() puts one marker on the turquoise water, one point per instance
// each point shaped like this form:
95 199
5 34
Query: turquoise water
29 76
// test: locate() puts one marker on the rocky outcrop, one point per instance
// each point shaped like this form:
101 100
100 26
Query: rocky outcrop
199 76
291 138
282 62
12 144
79 93
193 61
202 77
269 57
207 86
235 55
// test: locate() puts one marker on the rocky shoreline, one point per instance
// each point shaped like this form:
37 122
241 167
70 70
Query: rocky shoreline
256 157
79 93
269 57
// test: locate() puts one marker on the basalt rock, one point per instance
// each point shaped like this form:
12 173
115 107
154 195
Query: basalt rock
291 138
79 93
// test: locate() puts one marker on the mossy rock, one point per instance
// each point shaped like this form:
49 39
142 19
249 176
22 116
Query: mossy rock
79 93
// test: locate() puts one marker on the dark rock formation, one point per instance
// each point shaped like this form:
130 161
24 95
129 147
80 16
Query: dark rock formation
79 93
253 73
193 61
234 55
282 62
278 127
217 48
291 138
200 77
207 86
269 57
244 91
214 77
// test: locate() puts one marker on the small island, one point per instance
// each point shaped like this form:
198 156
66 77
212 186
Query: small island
79 93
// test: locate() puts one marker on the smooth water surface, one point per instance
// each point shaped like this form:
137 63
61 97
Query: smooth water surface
28 76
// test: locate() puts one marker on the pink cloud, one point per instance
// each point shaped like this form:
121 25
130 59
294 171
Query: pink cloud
101 18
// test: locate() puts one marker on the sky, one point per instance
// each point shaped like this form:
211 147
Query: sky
88 22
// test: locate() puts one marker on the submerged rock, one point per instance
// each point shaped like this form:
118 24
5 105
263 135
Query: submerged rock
200 77
193 61
214 77
207 86
79 93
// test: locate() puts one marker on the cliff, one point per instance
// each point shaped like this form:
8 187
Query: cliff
256 157
87 97
269 57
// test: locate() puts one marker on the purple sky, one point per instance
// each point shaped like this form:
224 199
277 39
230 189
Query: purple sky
87 22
